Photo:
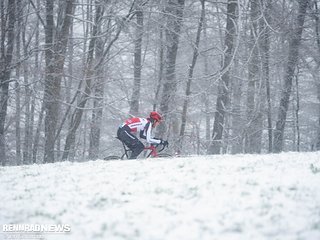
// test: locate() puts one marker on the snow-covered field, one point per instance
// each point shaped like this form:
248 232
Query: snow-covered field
210 197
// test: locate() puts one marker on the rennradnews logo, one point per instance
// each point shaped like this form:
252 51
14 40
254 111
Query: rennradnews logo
39 228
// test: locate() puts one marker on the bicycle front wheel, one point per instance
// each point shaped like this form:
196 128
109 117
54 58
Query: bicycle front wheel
164 155
112 158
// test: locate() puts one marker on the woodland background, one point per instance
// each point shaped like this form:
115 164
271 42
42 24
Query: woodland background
229 76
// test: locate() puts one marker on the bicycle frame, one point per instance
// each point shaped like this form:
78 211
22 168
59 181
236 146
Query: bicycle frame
153 151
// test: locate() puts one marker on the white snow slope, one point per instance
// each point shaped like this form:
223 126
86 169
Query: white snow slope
208 197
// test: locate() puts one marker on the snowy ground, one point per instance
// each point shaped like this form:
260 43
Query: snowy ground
214 197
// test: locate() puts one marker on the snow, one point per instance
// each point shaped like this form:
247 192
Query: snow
221 197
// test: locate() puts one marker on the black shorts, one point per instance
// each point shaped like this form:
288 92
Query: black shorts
127 138
131 141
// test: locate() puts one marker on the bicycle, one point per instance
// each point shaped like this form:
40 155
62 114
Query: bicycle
153 148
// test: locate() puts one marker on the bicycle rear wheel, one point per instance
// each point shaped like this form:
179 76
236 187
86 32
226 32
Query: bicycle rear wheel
112 158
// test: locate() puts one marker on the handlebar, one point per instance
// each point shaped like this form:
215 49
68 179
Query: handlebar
161 148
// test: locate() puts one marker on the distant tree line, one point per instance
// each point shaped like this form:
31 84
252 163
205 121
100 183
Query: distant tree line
230 76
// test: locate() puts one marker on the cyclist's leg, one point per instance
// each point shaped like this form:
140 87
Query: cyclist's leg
131 142
137 148
125 137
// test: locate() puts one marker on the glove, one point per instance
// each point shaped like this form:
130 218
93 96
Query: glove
164 143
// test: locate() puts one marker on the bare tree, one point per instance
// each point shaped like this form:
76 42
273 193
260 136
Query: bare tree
190 72
56 39
27 103
174 12
37 74
6 49
161 49
98 89
265 21
293 56
18 84
316 76
223 89
206 73
253 131
134 103
89 74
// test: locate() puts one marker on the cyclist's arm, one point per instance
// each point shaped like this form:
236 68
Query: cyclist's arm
142 134
148 135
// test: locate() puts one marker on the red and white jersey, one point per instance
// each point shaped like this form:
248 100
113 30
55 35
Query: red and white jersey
136 124
143 126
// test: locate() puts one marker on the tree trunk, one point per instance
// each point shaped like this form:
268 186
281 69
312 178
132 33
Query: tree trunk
265 46
252 132
27 135
296 114
294 45
55 56
37 135
174 11
207 83
317 29
223 89
161 67
318 134
237 117
37 75
5 68
18 86
134 104
50 103
95 130
190 74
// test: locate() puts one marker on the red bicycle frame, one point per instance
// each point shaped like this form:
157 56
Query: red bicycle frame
154 152
153 149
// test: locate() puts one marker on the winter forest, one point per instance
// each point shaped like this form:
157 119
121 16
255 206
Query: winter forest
229 76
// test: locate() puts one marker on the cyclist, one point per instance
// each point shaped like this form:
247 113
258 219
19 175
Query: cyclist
144 127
